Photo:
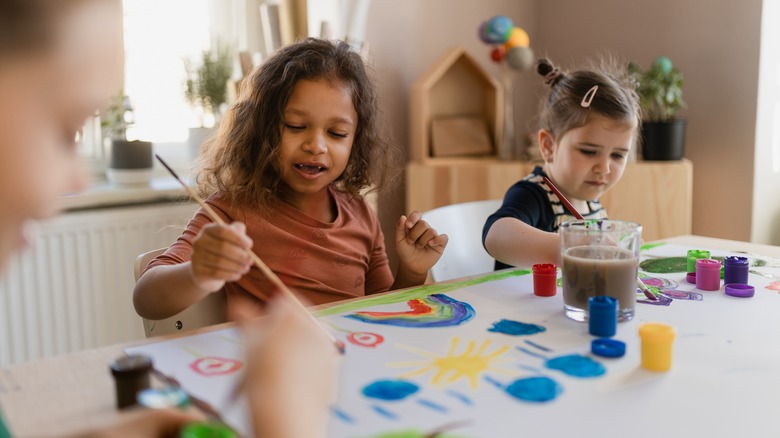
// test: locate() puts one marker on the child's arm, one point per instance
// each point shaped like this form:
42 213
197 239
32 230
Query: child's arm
291 373
219 254
419 247
516 243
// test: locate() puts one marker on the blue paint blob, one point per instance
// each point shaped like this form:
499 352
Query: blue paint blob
516 328
534 389
390 389
576 365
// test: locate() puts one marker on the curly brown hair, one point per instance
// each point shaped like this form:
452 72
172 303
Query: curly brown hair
242 161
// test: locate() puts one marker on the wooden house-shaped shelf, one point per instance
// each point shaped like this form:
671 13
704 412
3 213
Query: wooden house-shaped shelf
456 110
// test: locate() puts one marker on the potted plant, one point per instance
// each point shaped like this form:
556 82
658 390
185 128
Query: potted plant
660 97
129 161
206 88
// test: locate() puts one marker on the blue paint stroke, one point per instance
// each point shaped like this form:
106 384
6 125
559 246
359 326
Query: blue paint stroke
576 365
494 382
435 310
433 405
460 396
390 389
532 353
534 389
384 412
529 368
534 344
516 328
341 415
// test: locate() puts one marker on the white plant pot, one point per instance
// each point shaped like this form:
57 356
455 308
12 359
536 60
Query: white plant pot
196 139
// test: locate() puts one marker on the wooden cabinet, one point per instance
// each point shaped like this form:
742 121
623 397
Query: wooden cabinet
656 194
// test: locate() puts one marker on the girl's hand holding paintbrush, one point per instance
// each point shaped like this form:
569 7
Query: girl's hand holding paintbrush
220 253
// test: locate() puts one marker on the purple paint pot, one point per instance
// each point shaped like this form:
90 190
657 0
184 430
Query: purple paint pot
735 270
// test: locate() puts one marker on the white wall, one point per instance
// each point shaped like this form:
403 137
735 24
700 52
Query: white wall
766 180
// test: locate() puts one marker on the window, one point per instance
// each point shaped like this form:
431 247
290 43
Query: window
159 35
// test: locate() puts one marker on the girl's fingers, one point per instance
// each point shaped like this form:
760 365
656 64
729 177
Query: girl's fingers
413 218
418 230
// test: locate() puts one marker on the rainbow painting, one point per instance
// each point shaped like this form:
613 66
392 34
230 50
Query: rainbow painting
435 310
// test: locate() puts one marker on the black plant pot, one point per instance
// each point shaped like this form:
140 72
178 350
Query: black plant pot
130 162
663 141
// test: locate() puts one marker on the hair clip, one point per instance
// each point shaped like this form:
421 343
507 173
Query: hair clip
549 78
588 98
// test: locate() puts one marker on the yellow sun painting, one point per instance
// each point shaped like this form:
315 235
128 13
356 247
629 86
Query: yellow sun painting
452 367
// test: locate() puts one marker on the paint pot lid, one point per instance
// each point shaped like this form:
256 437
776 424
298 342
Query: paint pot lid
160 398
691 277
740 290
131 365
544 268
608 347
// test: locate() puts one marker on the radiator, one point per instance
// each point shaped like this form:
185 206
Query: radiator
72 289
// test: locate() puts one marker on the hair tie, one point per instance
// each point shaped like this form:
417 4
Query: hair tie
588 97
551 76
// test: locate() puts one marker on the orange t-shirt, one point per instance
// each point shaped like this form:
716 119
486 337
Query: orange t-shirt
321 262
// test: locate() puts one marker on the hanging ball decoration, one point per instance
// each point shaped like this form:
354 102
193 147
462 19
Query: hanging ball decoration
498 53
520 58
517 38
664 64
496 30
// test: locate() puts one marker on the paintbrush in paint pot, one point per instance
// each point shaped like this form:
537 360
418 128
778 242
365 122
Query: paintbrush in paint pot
255 259
577 214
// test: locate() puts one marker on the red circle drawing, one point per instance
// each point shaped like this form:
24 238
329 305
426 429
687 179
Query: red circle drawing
365 339
215 366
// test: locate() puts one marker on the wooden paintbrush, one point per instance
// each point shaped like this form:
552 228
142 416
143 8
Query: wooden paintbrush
577 214
255 258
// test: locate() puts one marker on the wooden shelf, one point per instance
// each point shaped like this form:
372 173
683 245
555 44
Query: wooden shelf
656 194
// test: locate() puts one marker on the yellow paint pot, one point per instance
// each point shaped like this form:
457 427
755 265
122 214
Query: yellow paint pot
657 342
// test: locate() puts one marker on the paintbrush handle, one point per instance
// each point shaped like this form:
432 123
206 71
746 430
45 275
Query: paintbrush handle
562 198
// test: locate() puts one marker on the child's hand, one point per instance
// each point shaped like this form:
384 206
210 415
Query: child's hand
418 245
220 253
291 373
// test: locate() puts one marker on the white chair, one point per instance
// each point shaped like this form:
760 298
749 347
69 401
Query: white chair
209 311
463 223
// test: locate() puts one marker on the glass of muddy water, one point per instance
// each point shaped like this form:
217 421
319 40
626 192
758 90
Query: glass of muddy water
599 258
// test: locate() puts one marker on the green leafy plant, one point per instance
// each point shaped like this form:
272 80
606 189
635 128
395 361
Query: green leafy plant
206 84
117 117
659 89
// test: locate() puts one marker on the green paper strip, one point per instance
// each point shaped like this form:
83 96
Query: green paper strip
416 293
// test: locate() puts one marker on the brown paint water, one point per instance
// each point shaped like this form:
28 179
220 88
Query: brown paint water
589 271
